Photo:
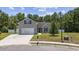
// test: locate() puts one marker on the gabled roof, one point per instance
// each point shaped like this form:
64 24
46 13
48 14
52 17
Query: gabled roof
26 19
41 24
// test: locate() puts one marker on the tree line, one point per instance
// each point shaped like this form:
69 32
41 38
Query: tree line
68 21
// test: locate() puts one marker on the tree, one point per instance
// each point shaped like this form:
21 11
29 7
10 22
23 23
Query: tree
3 20
72 21
20 16
54 17
47 18
40 19
4 29
53 29
33 17
68 22
76 20
30 16
13 23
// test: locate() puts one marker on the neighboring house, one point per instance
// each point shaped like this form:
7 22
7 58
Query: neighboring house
28 27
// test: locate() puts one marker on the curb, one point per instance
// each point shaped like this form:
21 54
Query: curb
1 46
55 43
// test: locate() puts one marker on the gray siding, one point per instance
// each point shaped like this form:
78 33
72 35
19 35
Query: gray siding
32 25
47 25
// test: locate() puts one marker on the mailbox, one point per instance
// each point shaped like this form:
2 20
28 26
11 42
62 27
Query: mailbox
66 37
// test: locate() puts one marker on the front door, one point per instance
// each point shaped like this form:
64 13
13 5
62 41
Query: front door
39 30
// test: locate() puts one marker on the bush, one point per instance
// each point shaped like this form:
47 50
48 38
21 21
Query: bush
0 32
4 29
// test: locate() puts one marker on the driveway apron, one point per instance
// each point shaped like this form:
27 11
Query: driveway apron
15 39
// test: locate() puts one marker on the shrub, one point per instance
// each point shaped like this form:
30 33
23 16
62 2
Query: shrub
0 32
4 29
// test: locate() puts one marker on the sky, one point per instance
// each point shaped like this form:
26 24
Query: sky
41 11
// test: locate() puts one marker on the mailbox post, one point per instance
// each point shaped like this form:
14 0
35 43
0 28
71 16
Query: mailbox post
61 26
38 38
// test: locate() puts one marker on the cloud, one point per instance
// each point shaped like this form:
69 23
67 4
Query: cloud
42 9
56 7
63 11
42 15
11 8
49 13
22 8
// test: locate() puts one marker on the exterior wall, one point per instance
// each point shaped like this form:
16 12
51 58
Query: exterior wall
35 29
46 26
32 25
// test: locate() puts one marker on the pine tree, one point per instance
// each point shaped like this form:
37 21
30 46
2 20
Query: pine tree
53 29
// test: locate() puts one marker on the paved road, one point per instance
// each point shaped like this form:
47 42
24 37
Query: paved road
56 43
16 39
38 48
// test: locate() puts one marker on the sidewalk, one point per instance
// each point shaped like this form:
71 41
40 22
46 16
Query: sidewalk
55 43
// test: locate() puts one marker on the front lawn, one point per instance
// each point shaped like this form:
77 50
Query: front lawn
3 35
57 37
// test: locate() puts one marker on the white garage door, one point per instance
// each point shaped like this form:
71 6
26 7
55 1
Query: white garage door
27 31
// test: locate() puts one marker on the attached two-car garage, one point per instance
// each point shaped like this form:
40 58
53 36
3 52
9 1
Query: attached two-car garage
27 31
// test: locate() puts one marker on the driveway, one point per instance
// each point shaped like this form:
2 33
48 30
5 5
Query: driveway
16 39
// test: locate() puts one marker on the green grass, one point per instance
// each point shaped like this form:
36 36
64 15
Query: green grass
3 35
57 37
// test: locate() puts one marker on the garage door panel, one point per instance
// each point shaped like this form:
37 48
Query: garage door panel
27 31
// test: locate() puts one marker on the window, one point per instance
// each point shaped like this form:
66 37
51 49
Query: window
39 30
25 22
45 30
30 22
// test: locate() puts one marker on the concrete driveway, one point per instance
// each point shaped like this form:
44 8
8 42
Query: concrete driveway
16 39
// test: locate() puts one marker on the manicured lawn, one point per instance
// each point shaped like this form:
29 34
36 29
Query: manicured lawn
57 37
3 35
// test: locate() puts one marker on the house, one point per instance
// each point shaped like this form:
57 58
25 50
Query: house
28 27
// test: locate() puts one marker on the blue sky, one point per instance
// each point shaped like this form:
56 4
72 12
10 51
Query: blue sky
41 11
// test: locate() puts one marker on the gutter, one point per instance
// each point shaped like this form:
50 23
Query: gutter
55 43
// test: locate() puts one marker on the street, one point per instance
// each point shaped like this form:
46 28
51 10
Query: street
40 47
